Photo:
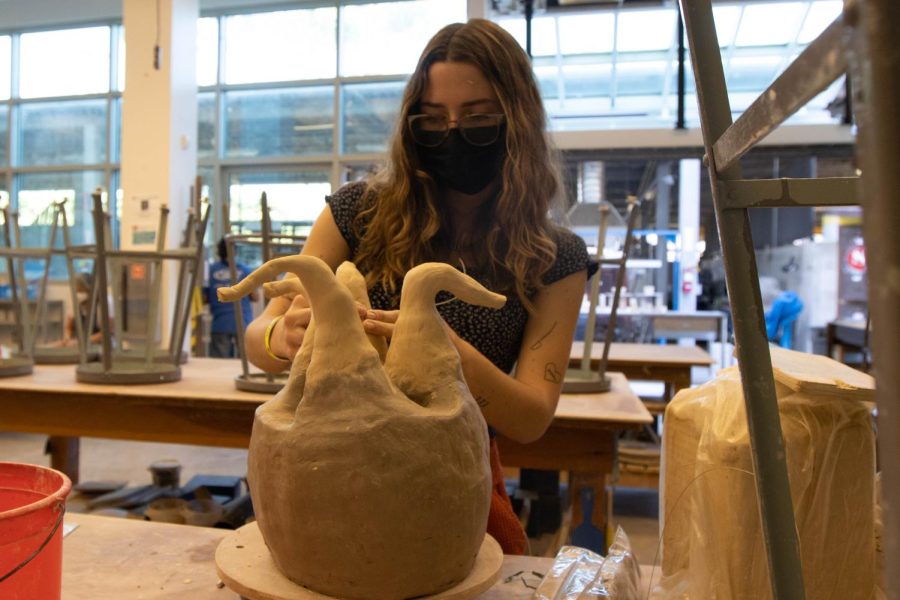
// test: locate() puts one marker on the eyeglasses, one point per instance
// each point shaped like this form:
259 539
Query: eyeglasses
477 129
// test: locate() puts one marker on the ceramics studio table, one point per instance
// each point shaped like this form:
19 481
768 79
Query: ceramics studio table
653 362
205 408
107 558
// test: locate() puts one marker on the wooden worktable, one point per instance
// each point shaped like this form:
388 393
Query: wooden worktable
108 558
205 408
654 362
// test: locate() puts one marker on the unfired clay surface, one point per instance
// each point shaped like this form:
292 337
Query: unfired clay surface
371 480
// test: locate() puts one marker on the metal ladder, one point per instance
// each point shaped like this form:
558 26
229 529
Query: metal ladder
862 43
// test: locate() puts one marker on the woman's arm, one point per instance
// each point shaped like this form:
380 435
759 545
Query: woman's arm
522 406
326 242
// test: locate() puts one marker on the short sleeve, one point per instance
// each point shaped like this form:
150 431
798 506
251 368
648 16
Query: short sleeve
571 257
345 204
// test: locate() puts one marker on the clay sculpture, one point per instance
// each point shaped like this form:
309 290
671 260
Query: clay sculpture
371 480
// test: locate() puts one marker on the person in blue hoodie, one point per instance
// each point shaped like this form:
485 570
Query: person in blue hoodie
223 339
780 317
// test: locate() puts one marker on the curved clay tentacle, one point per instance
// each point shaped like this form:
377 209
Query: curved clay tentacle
284 287
421 356
340 342
297 379
349 275
267 272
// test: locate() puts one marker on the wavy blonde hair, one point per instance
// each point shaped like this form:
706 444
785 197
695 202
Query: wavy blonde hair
403 221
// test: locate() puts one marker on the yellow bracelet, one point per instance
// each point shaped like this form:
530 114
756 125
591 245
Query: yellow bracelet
267 339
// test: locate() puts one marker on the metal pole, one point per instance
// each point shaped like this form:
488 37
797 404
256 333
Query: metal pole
529 13
266 229
633 205
238 309
155 286
40 325
27 323
591 324
181 304
100 281
679 119
742 279
875 72
194 274
13 284
73 293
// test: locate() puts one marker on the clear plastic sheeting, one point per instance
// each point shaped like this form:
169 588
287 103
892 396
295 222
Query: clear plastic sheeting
578 573
712 539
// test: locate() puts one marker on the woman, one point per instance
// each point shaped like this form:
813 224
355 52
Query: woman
469 182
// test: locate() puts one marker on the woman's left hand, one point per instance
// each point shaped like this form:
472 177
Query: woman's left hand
380 322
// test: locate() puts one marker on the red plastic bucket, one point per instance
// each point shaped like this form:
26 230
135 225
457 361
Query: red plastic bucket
32 505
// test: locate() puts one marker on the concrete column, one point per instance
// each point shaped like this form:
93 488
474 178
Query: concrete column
689 230
663 201
159 125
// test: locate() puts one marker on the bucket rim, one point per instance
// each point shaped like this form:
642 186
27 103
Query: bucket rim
56 497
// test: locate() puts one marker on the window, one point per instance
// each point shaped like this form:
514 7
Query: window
207 51
587 34
615 67
369 112
60 98
645 30
36 194
65 62
5 64
4 120
295 198
281 46
770 24
206 125
62 133
279 122
387 38
727 19
820 16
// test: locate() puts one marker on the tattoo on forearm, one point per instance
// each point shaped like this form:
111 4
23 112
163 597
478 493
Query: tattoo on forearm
481 401
540 341
552 374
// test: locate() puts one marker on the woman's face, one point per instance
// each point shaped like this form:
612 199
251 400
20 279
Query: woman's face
459 101
457 89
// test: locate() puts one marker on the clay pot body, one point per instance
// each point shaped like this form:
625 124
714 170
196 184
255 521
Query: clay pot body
371 480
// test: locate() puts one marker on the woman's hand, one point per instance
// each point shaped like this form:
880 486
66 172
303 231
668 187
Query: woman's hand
380 322
289 331
288 334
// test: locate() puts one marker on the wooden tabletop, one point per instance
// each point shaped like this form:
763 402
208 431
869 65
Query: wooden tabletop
625 354
208 380
107 558
203 408
619 406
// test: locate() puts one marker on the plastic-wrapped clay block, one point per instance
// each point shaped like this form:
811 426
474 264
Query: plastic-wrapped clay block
712 537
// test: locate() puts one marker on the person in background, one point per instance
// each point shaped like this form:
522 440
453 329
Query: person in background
83 284
223 336
781 309
470 181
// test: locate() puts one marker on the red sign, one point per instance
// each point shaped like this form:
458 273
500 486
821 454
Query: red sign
856 258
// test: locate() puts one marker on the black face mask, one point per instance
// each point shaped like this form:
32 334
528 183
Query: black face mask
461 166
